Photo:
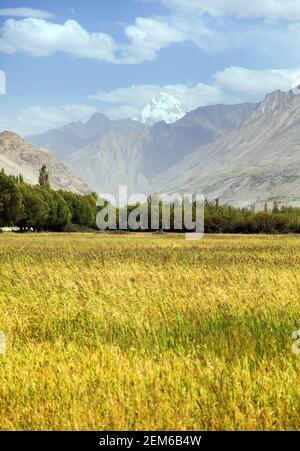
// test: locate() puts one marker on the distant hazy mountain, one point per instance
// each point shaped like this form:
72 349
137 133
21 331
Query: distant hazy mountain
67 139
258 161
163 107
18 157
135 158
114 160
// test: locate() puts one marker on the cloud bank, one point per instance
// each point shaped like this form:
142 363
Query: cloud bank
206 23
39 118
25 12
288 10
257 82
232 85
39 37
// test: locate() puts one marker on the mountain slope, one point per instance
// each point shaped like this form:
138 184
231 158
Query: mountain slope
258 161
114 160
18 157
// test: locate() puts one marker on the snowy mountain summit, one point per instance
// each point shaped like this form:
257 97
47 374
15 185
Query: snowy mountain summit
296 90
163 107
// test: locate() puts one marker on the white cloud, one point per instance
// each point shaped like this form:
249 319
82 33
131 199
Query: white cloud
37 118
207 23
257 82
147 37
41 38
208 36
139 95
121 112
25 12
268 9
232 85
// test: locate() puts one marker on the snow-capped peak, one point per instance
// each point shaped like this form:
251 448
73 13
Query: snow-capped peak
163 107
296 90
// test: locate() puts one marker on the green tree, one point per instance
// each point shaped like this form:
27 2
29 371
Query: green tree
59 213
35 209
83 208
44 176
10 201
275 207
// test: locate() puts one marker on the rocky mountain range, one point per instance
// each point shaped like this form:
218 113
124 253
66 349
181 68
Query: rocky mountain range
18 157
257 162
242 154
134 156
73 136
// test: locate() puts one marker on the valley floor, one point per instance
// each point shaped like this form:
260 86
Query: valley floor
149 332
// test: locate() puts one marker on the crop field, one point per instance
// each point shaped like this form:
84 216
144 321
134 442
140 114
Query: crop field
149 332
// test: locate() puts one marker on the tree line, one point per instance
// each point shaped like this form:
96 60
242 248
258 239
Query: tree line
271 218
38 207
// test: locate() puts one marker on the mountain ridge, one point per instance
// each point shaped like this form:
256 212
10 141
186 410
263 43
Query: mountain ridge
256 162
71 137
18 157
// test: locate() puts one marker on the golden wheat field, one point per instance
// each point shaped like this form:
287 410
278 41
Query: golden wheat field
149 332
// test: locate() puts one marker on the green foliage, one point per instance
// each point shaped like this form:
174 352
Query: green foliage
10 201
75 228
227 219
59 213
44 176
41 208
35 211
83 208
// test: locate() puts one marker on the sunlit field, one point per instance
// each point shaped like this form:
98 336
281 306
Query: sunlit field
149 332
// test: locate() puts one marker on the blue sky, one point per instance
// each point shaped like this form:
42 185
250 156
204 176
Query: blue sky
65 60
